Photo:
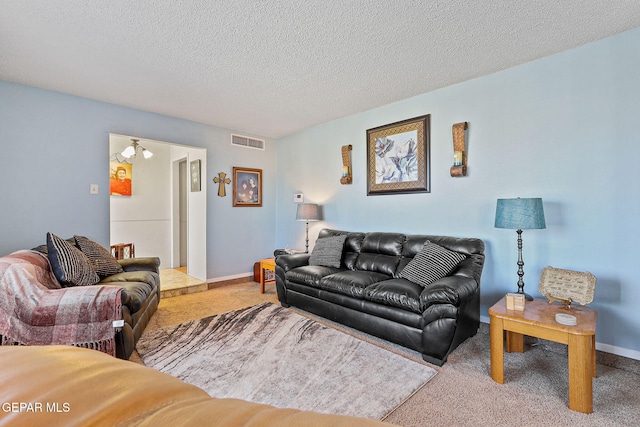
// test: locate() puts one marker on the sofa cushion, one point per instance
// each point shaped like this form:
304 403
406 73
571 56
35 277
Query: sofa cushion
352 283
380 252
385 264
328 251
70 266
134 294
400 293
136 287
101 259
310 274
432 263
149 277
395 314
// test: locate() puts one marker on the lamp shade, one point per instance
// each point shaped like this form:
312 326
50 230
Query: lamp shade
520 214
129 151
308 212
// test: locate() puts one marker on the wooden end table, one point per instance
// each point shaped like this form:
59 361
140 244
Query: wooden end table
538 320
266 264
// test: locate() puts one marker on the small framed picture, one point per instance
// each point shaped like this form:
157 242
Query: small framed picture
195 175
247 187
120 179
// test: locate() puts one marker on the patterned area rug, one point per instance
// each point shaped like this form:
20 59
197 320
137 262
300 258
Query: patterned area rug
270 354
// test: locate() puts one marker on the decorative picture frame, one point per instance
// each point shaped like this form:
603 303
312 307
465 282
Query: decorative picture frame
120 179
194 173
398 157
247 187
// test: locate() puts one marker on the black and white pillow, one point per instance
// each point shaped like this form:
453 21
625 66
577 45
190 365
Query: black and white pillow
70 266
328 251
432 263
101 259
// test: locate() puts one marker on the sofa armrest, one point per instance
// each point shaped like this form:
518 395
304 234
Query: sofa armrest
140 264
448 290
289 262
92 388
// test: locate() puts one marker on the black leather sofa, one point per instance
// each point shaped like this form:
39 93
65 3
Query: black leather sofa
367 292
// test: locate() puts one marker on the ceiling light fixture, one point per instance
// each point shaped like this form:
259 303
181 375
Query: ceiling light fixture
132 150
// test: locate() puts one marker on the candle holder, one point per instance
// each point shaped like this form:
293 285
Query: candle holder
459 167
346 165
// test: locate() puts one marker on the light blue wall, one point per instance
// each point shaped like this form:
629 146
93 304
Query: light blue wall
563 128
53 146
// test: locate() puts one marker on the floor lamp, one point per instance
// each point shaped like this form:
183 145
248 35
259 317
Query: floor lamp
518 214
307 212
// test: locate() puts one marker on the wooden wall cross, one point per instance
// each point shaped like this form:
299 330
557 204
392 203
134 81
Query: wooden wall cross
221 180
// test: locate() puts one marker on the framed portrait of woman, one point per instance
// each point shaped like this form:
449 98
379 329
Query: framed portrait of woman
247 187
120 179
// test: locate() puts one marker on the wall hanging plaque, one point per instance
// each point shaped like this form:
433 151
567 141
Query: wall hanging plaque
346 164
459 167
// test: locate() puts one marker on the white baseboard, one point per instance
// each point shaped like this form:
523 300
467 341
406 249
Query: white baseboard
607 348
619 351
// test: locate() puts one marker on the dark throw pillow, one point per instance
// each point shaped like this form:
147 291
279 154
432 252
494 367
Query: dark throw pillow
328 251
70 266
432 263
101 259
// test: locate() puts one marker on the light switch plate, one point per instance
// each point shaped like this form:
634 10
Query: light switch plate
298 198
93 189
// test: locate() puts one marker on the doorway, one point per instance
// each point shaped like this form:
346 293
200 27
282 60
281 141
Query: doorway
162 216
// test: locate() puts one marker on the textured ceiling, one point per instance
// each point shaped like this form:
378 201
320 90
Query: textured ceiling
273 68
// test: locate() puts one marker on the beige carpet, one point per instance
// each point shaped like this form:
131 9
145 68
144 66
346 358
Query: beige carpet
463 393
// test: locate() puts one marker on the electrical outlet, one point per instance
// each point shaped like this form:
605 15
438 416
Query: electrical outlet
93 189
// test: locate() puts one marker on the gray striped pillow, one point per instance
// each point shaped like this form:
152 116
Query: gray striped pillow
432 263
70 266
101 259
328 251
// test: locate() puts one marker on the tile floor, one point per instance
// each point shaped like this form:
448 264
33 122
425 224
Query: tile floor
174 282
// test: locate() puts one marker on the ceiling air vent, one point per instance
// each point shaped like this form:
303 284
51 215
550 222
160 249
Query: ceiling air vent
245 141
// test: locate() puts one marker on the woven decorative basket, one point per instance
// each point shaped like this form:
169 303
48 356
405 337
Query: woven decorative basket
569 285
